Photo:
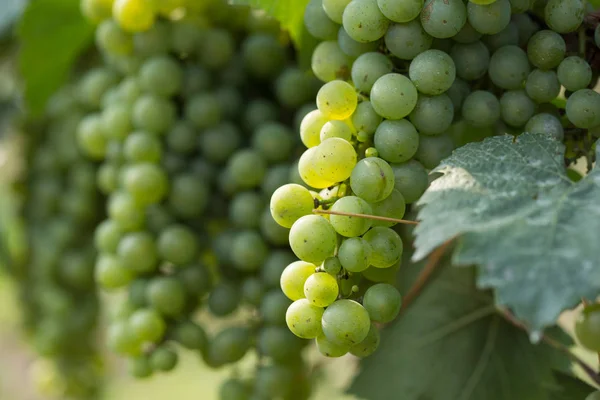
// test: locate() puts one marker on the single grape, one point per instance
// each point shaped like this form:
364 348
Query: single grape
386 244
304 319
355 254
407 40
574 73
365 119
546 49
329 62
481 109
345 323
393 206
318 23
443 18
509 67
351 47
587 327
432 72
516 107
308 173
110 273
313 239
321 289
583 108
471 60
330 349
163 358
372 179
542 86
403 11
247 168
224 299
363 21
310 128
161 75
383 302
369 67
368 345
337 100
137 251
293 278
564 16
337 129
489 18
230 345
139 367
334 159
289 203
350 226
248 250
142 147
431 116
546 124
107 236
234 389
332 265
433 149
335 9
393 96
147 325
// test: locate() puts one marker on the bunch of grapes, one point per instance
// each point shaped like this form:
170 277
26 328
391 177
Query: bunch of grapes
405 82
61 208
194 135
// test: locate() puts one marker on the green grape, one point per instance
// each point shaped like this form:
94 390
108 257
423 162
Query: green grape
489 18
350 226
136 293
407 40
308 172
329 62
94 84
153 114
516 107
142 147
121 339
166 295
139 367
91 137
177 244
263 55
509 67
526 27
219 142
125 212
230 345
190 335
393 206
371 152
137 251
234 389
161 75
508 36
432 72
393 96
273 307
116 122
574 73
248 250
383 302
386 244
337 100
583 108
304 319
313 239
245 209
337 129
587 327
252 291
163 358
471 60
96 10
351 47
467 34
182 138
365 119
112 39
372 179
335 9
443 18
334 159
431 116
433 149
330 349
274 233
147 325
542 86
546 124
147 183
224 299
230 101
317 23
355 254
107 236
293 278
259 111
321 289
332 265
247 168
369 67
278 343
396 141
189 196
273 382
458 92
294 87
363 21
274 141
110 273
196 279
546 49
185 35
203 111
217 48
564 16
481 109
368 345
310 128
345 323
289 203
154 41
403 11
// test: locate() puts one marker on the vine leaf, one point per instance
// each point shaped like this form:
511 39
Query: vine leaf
52 33
451 344
532 231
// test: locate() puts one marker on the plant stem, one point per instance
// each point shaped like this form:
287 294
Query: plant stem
367 216
590 372
432 263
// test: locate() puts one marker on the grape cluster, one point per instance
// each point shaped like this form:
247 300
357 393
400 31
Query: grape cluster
405 82
193 136
61 208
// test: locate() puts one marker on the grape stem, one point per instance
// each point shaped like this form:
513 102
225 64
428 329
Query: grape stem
430 267
589 371
367 216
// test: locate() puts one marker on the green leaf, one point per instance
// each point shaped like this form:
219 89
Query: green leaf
9 12
571 388
451 345
532 231
53 33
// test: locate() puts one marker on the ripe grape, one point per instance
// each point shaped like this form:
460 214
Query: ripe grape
368 345
393 96
349 226
313 239
583 108
369 67
289 203
363 20
383 302
407 40
443 18
321 289
355 254
334 159
304 319
372 179
489 18
337 100
345 323
587 327
432 72
330 349
386 244
293 278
